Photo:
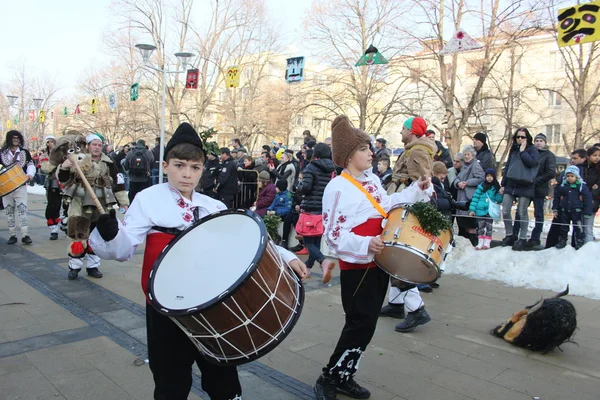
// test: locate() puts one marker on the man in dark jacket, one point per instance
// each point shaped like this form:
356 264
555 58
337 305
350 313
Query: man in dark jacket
546 171
208 181
442 153
138 164
484 155
157 160
227 184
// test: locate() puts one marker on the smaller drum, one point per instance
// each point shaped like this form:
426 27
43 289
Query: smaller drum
11 178
411 254
223 282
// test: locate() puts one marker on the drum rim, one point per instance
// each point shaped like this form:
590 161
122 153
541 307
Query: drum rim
231 289
417 252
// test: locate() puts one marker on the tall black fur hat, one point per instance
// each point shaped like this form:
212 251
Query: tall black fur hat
185 133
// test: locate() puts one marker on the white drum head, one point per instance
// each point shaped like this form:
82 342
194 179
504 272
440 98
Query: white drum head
206 261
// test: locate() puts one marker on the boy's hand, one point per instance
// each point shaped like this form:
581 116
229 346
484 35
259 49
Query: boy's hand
299 267
107 226
376 245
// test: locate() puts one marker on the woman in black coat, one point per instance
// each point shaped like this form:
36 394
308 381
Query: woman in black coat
523 156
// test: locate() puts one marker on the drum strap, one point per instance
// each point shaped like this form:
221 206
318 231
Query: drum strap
375 204
169 231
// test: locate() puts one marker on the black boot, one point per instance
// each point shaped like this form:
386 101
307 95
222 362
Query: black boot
73 274
26 240
393 311
413 319
54 236
94 273
352 389
534 244
325 388
519 245
508 241
11 240
562 243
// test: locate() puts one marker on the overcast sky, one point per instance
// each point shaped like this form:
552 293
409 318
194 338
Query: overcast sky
60 38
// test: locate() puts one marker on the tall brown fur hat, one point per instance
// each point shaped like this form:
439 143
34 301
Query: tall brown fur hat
345 140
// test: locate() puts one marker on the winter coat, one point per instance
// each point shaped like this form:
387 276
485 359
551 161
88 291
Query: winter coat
265 199
546 171
530 157
443 200
285 171
386 178
317 175
383 152
209 175
591 176
471 173
486 158
133 153
575 197
227 184
442 154
416 160
481 200
282 204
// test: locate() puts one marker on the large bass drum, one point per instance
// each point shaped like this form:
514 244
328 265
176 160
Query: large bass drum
223 282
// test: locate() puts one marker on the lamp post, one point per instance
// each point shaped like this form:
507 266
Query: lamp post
184 58
37 103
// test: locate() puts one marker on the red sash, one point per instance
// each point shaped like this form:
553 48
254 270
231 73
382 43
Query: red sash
372 227
155 244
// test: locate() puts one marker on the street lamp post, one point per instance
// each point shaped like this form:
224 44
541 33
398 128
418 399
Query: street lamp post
184 58
37 103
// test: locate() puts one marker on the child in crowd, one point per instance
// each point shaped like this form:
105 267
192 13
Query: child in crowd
572 204
157 215
443 200
385 172
266 193
487 191
282 204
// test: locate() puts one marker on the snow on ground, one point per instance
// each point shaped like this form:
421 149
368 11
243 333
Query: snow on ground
36 189
550 269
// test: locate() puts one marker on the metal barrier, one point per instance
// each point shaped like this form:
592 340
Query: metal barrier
247 188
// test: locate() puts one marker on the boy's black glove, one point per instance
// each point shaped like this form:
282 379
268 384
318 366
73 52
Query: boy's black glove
107 226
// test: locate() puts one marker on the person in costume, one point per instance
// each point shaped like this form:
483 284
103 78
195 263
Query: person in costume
53 191
175 206
416 161
103 176
354 206
13 152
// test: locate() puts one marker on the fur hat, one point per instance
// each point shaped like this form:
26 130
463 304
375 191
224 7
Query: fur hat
281 185
490 171
321 150
345 140
416 125
439 168
185 133
482 137
264 176
541 136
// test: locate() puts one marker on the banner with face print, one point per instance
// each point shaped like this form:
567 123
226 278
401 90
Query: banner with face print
232 80
579 24
294 71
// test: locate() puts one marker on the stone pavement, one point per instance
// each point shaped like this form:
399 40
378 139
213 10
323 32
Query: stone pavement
63 339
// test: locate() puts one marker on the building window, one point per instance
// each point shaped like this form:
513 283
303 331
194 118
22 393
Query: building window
553 134
554 99
300 120
556 60
222 96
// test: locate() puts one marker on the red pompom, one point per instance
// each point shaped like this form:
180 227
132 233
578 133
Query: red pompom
76 249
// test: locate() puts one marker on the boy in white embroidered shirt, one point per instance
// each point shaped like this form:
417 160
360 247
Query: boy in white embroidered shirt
352 224
156 215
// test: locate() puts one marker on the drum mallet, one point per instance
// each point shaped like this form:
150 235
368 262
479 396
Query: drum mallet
86 184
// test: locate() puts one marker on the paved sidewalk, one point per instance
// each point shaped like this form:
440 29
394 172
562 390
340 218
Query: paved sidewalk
63 339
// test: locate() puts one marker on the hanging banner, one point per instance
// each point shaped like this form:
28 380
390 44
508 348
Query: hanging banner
32 115
94 106
460 42
579 24
191 81
77 109
42 116
372 56
112 100
294 71
134 92
65 112
16 120
232 80
8 124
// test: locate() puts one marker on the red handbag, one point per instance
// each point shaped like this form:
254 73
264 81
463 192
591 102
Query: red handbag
310 225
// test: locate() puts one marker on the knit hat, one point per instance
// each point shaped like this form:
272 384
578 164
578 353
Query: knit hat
482 137
321 150
439 168
264 176
281 184
490 171
91 137
573 169
49 137
541 136
345 140
416 125
184 133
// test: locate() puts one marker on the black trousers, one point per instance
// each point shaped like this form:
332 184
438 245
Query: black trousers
171 356
362 312
54 199
135 188
289 220
574 218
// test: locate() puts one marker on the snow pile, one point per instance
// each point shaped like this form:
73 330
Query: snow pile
36 189
550 269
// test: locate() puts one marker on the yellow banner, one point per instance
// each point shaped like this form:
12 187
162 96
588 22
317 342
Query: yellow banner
94 106
8 124
42 116
233 76
579 24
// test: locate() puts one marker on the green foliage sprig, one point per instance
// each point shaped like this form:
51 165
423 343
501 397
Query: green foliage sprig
212 146
430 218
272 223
